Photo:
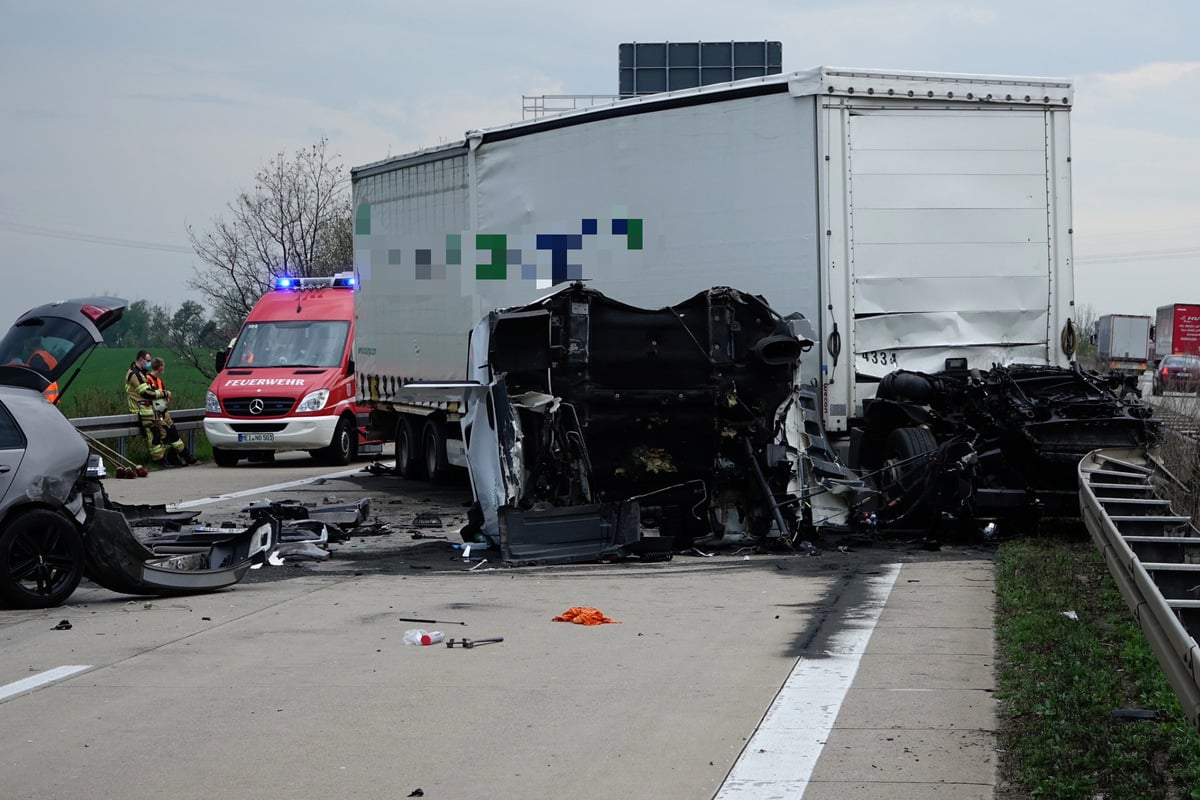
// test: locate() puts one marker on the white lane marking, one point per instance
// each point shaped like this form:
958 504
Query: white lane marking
41 679
780 756
276 488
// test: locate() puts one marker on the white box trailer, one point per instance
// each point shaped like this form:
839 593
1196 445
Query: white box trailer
909 217
1123 343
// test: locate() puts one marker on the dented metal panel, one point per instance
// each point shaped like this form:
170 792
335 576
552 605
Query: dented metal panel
612 424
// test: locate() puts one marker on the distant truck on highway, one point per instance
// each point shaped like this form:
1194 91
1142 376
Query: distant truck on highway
287 381
1176 330
1123 343
910 218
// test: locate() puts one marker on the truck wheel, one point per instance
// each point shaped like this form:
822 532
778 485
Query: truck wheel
341 449
41 560
905 473
224 458
433 442
409 462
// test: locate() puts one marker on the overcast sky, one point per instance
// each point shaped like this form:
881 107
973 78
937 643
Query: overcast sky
125 121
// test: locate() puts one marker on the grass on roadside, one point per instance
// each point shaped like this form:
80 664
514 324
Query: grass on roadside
1060 680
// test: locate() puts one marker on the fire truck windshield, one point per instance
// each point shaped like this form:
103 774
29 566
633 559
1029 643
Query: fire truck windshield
295 343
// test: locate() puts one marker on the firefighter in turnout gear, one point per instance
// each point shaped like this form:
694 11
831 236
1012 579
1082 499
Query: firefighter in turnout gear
164 432
141 393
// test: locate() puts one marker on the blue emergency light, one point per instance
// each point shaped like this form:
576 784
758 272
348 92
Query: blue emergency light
343 280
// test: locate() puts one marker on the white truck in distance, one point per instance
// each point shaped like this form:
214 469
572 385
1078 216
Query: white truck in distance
1123 343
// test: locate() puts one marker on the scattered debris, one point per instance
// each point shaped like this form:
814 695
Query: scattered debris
430 621
63 625
582 615
1071 615
419 535
806 548
418 792
469 643
299 551
427 520
1135 714
423 637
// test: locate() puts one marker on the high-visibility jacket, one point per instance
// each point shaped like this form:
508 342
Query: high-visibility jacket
51 391
160 390
140 393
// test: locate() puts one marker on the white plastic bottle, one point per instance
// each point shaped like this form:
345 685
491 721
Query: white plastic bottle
423 637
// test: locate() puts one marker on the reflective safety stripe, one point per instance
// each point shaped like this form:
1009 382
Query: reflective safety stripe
51 392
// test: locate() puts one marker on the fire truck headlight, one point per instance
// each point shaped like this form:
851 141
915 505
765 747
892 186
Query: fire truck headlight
313 401
211 403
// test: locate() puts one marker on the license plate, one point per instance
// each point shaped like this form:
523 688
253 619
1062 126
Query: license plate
256 438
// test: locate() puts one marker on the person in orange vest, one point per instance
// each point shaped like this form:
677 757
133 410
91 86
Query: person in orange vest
164 434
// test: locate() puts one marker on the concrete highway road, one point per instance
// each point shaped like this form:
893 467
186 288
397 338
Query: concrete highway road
296 683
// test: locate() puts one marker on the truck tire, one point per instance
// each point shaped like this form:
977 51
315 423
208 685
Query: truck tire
224 458
342 447
904 473
433 443
410 463
41 560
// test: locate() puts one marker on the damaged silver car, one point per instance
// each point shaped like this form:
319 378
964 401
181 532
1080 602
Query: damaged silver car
56 523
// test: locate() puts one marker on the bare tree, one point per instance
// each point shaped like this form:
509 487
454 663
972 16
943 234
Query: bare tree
1086 319
296 221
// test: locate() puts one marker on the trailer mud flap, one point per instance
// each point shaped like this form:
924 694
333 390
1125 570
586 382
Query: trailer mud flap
570 534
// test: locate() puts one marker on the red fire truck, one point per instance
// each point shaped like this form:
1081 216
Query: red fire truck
287 381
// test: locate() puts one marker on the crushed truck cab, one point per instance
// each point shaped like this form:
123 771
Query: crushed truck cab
287 381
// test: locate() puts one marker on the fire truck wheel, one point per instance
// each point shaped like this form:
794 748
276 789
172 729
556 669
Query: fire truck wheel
225 458
341 449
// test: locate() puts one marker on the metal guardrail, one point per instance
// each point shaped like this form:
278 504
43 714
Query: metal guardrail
1153 555
123 426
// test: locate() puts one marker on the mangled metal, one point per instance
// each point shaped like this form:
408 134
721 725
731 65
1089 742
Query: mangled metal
601 429
966 444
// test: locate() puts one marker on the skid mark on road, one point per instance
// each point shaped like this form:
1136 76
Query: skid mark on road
41 679
779 758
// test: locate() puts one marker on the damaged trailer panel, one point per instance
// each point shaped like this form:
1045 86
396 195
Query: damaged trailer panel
596 428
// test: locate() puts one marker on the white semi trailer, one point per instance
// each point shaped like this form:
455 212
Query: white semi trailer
910 217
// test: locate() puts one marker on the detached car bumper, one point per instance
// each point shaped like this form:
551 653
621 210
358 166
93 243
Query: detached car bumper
296 433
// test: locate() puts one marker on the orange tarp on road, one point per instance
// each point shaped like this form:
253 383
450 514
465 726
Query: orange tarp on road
585 616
